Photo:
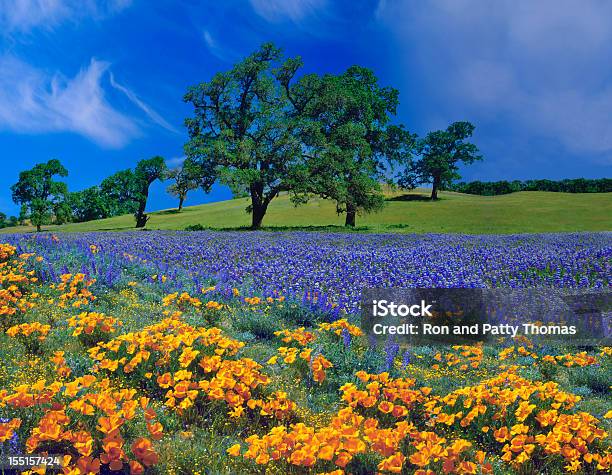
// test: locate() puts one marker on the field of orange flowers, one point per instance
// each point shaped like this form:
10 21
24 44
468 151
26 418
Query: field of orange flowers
130 379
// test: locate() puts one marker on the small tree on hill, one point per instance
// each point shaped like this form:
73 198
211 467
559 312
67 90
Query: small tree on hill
145 173
38 193
441 152
185 180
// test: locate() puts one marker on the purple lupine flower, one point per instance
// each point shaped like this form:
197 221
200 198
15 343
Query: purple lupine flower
391 351
346 338
405 359
337 266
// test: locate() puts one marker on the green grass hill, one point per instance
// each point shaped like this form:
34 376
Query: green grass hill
412 212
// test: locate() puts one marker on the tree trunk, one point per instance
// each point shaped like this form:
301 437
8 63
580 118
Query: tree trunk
259 206
141 220
434 188
38 228
181 200
259 211
141 217
350 216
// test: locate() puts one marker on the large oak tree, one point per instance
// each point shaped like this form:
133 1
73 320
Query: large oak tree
241 132
348 140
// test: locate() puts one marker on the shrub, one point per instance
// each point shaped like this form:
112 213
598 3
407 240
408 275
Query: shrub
492 188
195 227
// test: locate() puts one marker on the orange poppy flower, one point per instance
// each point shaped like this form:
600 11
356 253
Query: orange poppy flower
142 449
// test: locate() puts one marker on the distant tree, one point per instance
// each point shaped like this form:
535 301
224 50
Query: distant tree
344 122
441 152
120 193
145 173
6 222
38 193
241 133
186 178
576 185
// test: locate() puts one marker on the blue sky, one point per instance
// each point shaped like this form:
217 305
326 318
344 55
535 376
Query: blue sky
99 84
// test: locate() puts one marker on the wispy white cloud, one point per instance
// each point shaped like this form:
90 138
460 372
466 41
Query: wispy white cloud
34 101
281 10
24 15
544 66
223 53
148 110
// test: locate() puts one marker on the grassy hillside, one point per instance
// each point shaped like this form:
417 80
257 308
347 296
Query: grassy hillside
522 212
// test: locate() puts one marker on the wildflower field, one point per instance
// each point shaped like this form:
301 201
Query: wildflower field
220 352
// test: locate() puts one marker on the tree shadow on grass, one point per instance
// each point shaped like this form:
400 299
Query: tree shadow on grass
410 197
168 211
328 228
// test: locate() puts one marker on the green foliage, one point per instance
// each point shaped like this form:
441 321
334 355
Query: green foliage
240 132
6 222
185 178
23 214
344 124
492 188
441 153
148 170
62 211
120 193
195 227
363 464
126 191
38 194
594 378
298 314
89 204
261 326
